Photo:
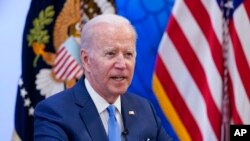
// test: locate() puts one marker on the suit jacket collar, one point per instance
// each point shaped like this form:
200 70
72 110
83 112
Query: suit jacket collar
92 120
88 112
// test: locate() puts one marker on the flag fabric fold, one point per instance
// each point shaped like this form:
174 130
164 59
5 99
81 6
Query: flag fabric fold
188 74
239 61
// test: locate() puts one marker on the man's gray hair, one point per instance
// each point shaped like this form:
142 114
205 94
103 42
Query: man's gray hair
112 19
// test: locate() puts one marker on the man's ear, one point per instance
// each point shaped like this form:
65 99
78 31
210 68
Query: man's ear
85 59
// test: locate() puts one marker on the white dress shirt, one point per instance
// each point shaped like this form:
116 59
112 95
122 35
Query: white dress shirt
101 106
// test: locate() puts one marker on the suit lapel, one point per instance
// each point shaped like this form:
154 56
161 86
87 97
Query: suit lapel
130 119
89 113
93 122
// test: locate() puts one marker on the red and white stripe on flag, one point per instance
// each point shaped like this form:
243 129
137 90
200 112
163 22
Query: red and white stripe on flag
188 78
66 67
239 63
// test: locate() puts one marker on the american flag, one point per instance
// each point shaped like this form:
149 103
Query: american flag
239 62
203 59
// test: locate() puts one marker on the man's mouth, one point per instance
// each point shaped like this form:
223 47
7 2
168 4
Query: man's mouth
118 78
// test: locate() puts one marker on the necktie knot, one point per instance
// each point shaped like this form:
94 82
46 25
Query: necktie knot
111 110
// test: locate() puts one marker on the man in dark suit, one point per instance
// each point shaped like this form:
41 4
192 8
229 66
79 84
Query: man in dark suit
98 108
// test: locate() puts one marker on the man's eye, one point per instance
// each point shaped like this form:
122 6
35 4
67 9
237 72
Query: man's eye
129 54
110 54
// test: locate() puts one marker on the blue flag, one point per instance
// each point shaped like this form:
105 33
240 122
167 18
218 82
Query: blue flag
49 26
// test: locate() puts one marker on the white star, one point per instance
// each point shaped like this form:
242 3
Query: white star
86 6
23 92
91 10
229 4
20 82
27 102
31 111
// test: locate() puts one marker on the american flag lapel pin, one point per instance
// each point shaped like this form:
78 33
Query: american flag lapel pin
131 112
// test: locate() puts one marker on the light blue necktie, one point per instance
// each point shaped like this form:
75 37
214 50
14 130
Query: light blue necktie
114 130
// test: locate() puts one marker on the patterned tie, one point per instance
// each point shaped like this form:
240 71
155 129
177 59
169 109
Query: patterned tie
114 130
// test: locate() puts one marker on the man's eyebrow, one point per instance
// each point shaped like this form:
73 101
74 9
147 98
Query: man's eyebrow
109 49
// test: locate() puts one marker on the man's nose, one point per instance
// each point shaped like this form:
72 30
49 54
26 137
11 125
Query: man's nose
120 62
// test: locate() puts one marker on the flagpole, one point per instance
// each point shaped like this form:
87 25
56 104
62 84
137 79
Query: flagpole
225 133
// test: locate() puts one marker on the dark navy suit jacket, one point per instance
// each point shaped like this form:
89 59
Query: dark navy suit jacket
72 116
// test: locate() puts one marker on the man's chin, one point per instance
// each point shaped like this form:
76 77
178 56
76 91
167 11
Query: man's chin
119 92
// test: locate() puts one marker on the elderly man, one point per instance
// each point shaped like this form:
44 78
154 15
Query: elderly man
98 108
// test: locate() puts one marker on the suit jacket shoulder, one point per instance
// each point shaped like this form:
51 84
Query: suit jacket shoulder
69 115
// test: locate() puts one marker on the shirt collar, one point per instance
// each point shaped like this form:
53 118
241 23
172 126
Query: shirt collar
100 103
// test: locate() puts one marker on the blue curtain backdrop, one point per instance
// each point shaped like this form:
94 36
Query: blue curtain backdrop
149 19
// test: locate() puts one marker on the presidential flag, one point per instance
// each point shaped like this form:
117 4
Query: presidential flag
51 28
